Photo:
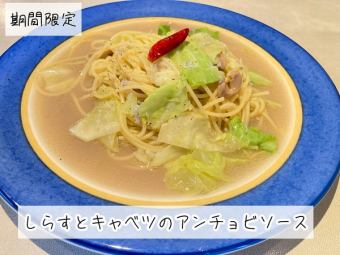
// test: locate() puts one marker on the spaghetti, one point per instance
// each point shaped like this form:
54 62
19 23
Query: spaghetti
119 67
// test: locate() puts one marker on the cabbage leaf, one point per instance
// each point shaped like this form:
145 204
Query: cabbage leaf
167 154
251 136
193 131
211 33
163 29
195 65
164 104
110 142
198 172
131 106
258 80
210 45
99 122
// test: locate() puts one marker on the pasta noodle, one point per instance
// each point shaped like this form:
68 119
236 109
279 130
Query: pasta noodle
121 64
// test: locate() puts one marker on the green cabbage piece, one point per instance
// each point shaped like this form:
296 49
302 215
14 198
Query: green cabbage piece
251 136
210 45
258 79
130 106
163 29
198 172
57 79
144 156
193 131
195 65
164 104
110 142
167 154
99 122
165 71
211 33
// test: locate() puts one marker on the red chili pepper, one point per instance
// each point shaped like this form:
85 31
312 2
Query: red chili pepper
167 44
